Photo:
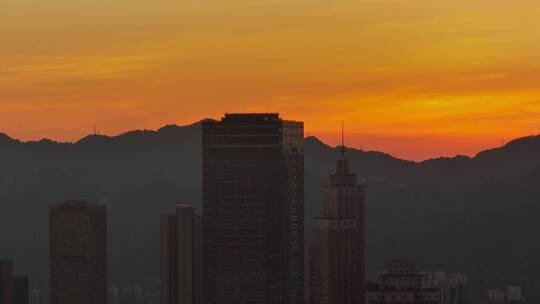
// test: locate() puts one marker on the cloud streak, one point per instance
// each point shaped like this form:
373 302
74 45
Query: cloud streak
388 67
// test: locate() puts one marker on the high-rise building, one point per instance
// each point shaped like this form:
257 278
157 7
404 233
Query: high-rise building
253 210
13 289
337 254
181 237
78 253
403 283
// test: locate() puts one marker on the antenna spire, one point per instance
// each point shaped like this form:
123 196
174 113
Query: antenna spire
342 139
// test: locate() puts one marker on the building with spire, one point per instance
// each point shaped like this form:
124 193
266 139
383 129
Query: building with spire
337 253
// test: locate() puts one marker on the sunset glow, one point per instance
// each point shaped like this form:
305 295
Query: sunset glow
415 78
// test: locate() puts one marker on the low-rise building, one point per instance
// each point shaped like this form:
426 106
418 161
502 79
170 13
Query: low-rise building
454 286
403 283
510 295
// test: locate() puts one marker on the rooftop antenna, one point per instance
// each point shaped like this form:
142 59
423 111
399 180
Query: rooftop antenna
342 139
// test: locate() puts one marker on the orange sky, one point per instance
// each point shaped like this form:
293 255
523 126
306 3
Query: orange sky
415 78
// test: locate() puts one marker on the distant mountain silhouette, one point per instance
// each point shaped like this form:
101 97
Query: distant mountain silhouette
473 215
504 163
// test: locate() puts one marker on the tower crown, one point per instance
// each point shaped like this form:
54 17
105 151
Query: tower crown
343 175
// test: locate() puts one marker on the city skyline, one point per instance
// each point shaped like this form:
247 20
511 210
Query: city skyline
269 151
252 167
415 78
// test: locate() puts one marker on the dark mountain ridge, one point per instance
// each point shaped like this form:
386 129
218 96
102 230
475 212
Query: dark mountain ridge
448 212
506 162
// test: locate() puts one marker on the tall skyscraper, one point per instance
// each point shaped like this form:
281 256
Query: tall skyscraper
253 210
78 253
337 254
181 237
13 289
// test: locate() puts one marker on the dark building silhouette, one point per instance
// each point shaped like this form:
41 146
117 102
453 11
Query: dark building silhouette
403 283
337 254
181 236
78 253
253 210
13 289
